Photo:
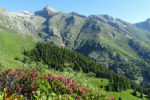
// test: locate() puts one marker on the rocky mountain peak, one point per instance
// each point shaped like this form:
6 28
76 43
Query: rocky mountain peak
48 8
46 12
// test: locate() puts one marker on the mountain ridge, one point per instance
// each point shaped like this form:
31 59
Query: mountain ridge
99 37
144 25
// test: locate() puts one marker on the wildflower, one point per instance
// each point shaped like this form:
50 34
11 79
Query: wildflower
50 74
79 97
83 92
80 90
73 81
8 70
61 77
33 75
74 86
113 98
55 77
65 81
49 78
68 79
71 90
63 85
86 90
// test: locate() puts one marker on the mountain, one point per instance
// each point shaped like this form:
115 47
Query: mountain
12 45
46 12
22 22
119 45
144 25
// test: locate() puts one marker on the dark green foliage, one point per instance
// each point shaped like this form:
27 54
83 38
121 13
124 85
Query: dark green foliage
135 93
59 58
17 58
120 98
148 92
141 95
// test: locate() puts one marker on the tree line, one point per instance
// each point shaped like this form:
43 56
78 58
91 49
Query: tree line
59 58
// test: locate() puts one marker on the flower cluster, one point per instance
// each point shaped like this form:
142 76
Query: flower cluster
67 86
32 84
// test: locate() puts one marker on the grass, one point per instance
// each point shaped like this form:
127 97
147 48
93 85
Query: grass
125 95
11 46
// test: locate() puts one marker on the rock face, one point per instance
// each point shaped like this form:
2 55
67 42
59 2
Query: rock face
23 22
100 37
144 25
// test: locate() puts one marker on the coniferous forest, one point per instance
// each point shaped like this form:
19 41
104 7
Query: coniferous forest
58 58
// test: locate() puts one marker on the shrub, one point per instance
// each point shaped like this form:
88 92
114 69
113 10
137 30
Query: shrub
34 85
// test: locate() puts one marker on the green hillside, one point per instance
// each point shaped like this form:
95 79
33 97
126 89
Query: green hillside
12 45
14 42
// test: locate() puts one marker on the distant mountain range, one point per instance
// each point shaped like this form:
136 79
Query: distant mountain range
119 45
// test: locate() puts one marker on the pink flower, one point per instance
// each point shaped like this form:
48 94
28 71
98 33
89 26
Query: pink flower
79 97
83 92
68 79
71 90
50 74
74 86
80 90
73 80
86 90
55 77
113 98
63 85
33 75
49 78
8 70
65 81
61 77
64 78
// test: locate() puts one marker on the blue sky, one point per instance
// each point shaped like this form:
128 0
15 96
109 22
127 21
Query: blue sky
128 10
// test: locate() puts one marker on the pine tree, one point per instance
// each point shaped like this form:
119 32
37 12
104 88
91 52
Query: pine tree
134 93
141 95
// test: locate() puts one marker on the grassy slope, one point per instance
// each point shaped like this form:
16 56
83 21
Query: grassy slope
11 46
126 95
